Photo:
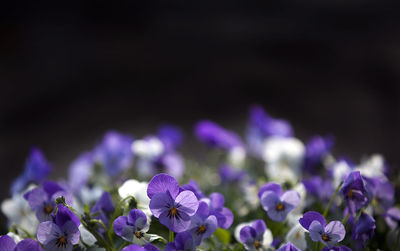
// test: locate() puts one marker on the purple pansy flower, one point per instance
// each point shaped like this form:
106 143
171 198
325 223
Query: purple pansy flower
194 187
8 244
288 247
213 135
316 149
382 191
252 236
37 168
341 248
103 207
321 189
329 234
42 199
354 192
278 204
133 227
114 153
170 136
363 230
183 242
170 205
61 233
203 225
392 217
224 215
230 174
135 247
80 172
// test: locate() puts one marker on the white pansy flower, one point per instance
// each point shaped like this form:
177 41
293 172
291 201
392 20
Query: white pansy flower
15 237
372 167
237 156
297 237
86 236
283 157
148 148
340 170
139 191
301 189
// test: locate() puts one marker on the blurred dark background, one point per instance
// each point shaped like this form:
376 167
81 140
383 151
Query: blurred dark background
68 73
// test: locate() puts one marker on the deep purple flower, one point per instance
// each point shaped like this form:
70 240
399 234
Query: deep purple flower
103 207
316 149
276 242
382 191
230 174
288 247
114 153
194 187
354 192
80 172
252 236
363 230
341 248
61 233
183 242
203 225
8 244
172 207
267 125
321 189
135 247
329 234
224 215
392 217
42 199
278 204
133 227
171 137
37 168
213 135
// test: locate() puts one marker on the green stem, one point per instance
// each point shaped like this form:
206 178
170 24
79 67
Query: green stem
316 246
344 221
171 236
326 211
16 227
398 240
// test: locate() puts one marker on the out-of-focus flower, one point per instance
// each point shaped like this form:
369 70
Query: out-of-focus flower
135 247
8 244
289 247
80 172
392 217
203 225
103 208
133 227
42 199
224 215
256 236
337 248
114 153
213 135
62 233
373 167
277 204
329 234
230 174
172 207
171 137
183 242
382 192
340 170
139 191
321 189
317 148
354 192
296 235
37 168
283 157
363 230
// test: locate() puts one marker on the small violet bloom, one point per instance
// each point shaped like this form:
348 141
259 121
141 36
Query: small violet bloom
329 234
171 136
354 192
276 203
42 199
61 233
231 174
253 237
321 189
392 217
104 208
194 187
363 230
8 244
183 242
37 168
203 225
288 247
171 206
133 227
317 148
135 247
213 135
80 172
224 215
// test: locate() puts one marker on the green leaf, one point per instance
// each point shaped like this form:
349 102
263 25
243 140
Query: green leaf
223 235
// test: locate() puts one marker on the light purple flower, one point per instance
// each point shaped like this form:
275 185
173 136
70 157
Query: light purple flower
135 247
252 236
214 135
203 225
171 206
329 234
60 234
276 203
321 189
288 247
316 149
183 242
354 192
133 227
194 187
42 199
80 172
171 137
392 217
8 244
224 215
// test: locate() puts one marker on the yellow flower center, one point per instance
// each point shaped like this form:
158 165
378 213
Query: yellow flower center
280 206
350 193
257 244
48 209
173 211
201 229
138 234
61 241
325 237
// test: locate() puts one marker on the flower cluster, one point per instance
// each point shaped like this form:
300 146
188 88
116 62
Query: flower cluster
265 191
